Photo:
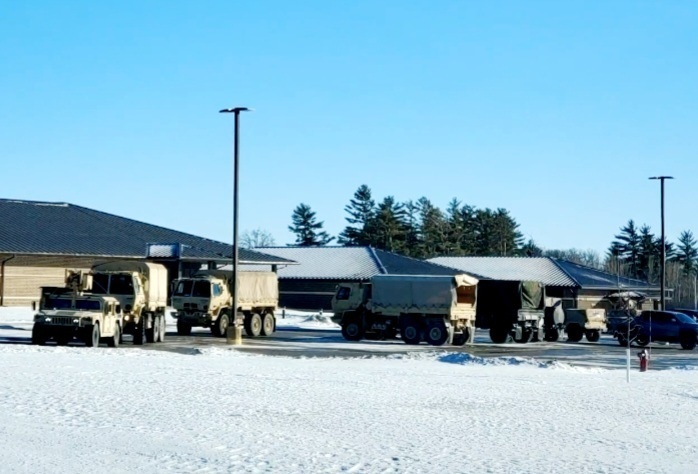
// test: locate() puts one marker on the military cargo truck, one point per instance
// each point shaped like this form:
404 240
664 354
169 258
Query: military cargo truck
206 300
511 310
435 309
67 313
141 289
575 323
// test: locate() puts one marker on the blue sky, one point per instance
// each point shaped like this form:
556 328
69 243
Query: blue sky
556 111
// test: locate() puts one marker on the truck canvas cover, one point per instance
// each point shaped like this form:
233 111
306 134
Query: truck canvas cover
411 293
254 288
155 275
500 301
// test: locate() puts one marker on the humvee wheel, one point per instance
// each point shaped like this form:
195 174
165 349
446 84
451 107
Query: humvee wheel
410 331
184 329
574 333
462 338
593 335
38 336
437 332
253 325
114 340
267 324
221 326
92 339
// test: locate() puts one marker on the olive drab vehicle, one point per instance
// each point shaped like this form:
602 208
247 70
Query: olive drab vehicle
206 300
141 289
435 309
511 310
69 313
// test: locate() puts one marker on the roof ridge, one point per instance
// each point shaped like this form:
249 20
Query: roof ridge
555 262
372 252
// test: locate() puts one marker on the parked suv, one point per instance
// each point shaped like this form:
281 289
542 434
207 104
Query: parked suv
663 326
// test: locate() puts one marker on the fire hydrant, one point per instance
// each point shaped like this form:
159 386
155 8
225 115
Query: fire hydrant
644 359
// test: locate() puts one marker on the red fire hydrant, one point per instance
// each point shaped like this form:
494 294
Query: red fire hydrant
644 359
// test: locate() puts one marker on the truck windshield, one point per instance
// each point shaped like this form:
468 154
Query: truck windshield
184 288
56 303
121 285
88 304
202 289
100 284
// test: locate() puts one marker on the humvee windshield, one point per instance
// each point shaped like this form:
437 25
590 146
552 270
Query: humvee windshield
88 305
56 303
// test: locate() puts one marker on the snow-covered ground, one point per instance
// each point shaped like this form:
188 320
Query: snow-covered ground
74 409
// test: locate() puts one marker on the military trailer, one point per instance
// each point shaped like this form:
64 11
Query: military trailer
66 314
206 300
141 289
435 309
511 310
575 323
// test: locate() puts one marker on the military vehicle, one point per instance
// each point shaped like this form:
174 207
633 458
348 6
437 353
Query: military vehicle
141 289
511 310
67 313
435 309
206 300
575 323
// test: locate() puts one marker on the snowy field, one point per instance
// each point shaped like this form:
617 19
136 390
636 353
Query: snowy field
74 409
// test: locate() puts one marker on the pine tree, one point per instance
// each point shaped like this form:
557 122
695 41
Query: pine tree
389 226
307 229
433 229
411 246
687 253
627 248
361 210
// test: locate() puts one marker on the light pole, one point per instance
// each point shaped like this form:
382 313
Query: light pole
233 333
663 257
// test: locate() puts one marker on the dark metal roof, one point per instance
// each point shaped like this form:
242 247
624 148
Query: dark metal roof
591 278
350 263
42 228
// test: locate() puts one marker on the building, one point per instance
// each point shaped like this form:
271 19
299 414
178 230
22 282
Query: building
311 284
40 240
578 286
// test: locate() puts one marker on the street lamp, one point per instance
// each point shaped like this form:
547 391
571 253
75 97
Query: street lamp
234 332
663 279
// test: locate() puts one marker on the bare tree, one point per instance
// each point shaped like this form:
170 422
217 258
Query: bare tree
256 238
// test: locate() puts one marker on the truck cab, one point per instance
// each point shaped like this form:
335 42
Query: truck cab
349 297
199 301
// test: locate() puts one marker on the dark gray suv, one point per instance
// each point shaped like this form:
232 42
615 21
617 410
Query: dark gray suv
665 326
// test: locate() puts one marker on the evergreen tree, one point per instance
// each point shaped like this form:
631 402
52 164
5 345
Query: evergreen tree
411 246
648 255
627 248
307 229
497 233
361 210
433 229
389 226
461 229
530 249
687 253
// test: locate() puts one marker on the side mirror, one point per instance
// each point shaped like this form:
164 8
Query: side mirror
33 305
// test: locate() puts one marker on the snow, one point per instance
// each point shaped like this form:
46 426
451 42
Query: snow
218 409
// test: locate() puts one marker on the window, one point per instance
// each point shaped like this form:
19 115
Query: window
343 293
88 305
184 288
100 284
121 285
202 289
217 290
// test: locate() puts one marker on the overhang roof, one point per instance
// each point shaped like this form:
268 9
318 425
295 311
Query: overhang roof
62 229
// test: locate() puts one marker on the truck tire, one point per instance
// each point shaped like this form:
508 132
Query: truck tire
574 333
39 336
183 329
116 338
352 328
253 325
221 326
459 339
552 335
92 335
162 328
139 333
623 340
593 335
642 340
149 331
499 335
410 330
526 335
267 324
437 332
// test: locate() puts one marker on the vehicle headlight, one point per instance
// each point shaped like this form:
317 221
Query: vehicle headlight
76 321
47 320
126 317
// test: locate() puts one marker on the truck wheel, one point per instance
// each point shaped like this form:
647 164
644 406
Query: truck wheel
222 324
39 336
149 331
642 340
552 335
437 332
183 329
139 333
114 340
460 339
499 335
574 333
253 325
410 331
526 335
593 335
267 324
92 339
352 329
162 328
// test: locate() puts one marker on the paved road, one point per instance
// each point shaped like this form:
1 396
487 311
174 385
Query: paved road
290 342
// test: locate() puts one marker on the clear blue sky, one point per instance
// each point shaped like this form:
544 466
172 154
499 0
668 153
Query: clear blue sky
558 111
